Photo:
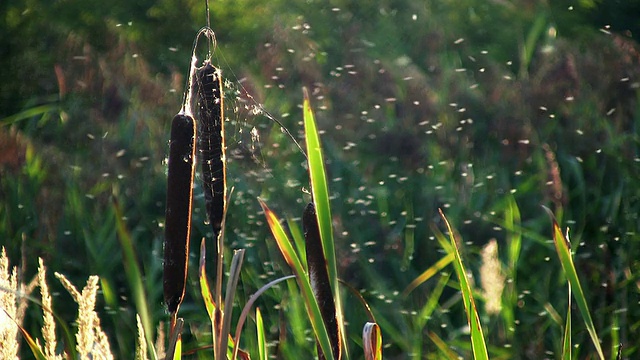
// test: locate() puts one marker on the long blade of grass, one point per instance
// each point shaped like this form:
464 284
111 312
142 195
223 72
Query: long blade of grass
478 345
320 194
372 340
514 245
566 340
262 340
442 346
514 238
298 241
35 349
177 354
432 301
358 295
205 290
29 113
563 249
290 256
134 278
429 273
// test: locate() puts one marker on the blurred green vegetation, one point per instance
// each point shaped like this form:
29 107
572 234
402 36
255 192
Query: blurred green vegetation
470 106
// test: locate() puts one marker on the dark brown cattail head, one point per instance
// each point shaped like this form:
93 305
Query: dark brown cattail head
178 215
211 142
319 278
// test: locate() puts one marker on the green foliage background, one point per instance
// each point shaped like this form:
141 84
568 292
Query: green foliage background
461 105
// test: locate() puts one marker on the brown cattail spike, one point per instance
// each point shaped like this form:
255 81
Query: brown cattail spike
319 277
211 143
178 215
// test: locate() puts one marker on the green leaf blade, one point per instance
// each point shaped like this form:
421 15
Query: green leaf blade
563 250
478 344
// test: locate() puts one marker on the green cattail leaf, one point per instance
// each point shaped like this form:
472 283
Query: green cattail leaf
319 189
372 341
290 256
566 340
205 290
174 350
262 339
514 239
478 344
298 241
514 244
177 354
563 249
320 194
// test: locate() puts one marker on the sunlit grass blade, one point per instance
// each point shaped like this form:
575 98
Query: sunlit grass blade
432 301
372 341
35 349
262 341
29 113
205 290
563 249
177 354
616 346
320 194
514 239
320 279
358 295
298 241
134 278
553 314
429 273
425 314
290 256
514 244
442 240
442 346
477 337
566 340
